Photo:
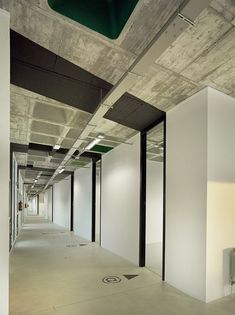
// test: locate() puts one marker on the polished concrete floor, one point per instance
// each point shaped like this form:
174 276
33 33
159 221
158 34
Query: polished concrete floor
53 272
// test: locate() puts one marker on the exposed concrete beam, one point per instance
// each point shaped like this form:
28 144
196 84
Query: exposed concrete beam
184 16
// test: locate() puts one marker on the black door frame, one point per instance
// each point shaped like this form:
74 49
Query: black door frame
72 202
142 213
93 206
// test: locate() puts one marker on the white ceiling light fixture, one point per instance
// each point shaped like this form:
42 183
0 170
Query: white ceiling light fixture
100 136
35 180
92 144
56 147
61 171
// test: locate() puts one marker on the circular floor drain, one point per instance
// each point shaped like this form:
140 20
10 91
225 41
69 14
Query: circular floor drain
111 279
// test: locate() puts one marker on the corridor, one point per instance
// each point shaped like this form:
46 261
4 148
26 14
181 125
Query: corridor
53 272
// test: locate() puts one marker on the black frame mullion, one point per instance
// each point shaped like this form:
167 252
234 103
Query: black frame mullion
93 209
72 203
142 213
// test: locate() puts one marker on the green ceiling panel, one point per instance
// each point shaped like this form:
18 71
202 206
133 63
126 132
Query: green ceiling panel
101 149
107 17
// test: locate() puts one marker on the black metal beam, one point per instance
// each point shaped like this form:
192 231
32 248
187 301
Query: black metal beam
16 147
39 70
143 179
92 155
72 202
142 222
52 203
93 211
37 204
155 123
34 168
164 208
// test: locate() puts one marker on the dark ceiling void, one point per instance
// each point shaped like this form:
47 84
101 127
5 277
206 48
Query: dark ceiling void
37 148
101 148
41 169
134 113
41 71
107 17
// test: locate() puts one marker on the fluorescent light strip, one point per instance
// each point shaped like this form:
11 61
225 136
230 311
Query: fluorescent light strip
61 171
92 143
56 147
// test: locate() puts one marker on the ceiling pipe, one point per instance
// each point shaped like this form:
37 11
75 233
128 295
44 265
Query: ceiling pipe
181 19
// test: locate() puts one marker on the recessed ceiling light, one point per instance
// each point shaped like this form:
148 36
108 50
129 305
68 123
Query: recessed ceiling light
56 147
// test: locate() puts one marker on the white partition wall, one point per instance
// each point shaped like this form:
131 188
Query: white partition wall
200 203
48 203
62 203
186 180
4 159
220 193
83 202
120 193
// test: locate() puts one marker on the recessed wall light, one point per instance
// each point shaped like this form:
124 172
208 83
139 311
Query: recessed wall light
56 147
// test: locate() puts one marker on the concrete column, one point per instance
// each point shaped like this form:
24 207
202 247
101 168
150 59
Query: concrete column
4 159
200 190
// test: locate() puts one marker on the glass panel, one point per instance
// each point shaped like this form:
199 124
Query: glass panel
154 198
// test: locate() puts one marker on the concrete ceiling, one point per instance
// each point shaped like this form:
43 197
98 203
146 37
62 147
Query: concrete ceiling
38 119
203 55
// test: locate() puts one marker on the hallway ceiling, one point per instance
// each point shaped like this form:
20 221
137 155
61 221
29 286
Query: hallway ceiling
203 55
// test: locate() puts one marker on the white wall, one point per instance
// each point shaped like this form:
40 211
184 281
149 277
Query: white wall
62 203
154 202
42 211
4 159
83 202
221 192
120 200
33 206
97 214
186 186
48 203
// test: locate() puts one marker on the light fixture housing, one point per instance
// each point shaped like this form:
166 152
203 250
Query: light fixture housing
56 147
92 144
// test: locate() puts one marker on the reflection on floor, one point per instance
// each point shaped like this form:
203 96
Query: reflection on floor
154 257
51 274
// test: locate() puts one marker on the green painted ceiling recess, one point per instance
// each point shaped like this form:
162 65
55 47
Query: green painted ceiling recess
107 17
101 148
